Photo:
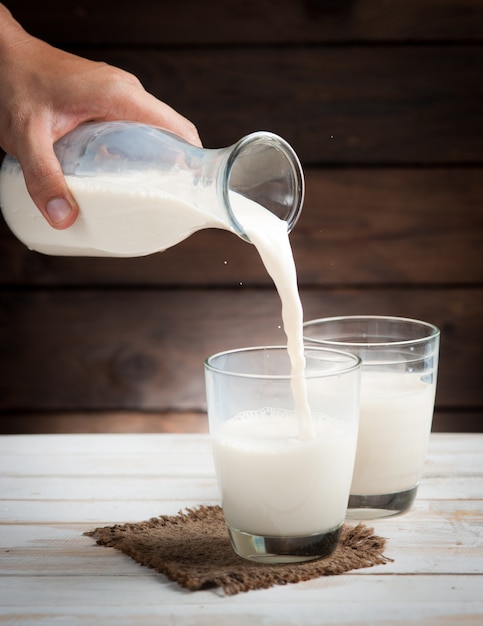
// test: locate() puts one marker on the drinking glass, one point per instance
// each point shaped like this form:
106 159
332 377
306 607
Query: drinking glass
398 385
284 448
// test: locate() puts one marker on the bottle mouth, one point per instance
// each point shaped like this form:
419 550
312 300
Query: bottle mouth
264 168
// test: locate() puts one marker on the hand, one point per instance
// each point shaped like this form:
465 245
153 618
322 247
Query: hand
46 92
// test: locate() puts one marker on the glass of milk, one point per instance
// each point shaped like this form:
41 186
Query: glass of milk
284 487
398 385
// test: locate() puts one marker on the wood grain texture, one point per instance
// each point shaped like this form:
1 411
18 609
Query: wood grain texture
51 422
358 227
239 21
335 105
381 100
54 488
104 422
144 349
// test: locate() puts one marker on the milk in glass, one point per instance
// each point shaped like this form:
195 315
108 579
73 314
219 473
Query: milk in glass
274 484
283 473
394 428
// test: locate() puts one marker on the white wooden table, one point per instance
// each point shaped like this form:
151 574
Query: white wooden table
53 488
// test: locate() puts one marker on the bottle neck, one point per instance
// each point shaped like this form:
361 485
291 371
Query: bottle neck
262 167
265 169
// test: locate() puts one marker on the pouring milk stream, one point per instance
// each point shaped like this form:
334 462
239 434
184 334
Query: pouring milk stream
141 190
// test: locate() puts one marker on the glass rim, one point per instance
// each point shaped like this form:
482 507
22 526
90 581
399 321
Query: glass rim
354 362
433 331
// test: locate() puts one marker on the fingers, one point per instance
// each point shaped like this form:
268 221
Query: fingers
43 174
187 130
46 184
150 110
182 127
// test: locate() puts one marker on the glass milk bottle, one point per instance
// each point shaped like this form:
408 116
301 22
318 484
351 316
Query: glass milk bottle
142 189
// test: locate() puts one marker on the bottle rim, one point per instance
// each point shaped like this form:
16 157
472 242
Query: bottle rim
293 163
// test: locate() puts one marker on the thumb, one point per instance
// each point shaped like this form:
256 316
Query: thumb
46 184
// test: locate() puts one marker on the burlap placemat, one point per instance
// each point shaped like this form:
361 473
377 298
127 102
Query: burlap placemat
194 550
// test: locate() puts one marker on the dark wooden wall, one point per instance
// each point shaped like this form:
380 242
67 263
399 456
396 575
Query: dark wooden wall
383 101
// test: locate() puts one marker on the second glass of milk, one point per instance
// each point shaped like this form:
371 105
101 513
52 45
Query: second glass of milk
284 491
398 385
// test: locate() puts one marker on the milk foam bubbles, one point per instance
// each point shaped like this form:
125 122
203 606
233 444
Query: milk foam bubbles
396 411
275 484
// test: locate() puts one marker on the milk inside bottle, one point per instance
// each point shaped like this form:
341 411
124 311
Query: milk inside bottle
141 189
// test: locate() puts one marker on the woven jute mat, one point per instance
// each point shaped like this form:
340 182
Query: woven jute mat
194 550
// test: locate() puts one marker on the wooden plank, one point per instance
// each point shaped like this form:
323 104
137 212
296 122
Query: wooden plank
144 349
165 447
175 422
112 422
426 544
334 104
164 488
275 21
131 599
445 421
52 572
178 489
127 507
343 105
391 227
358 226
455 456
